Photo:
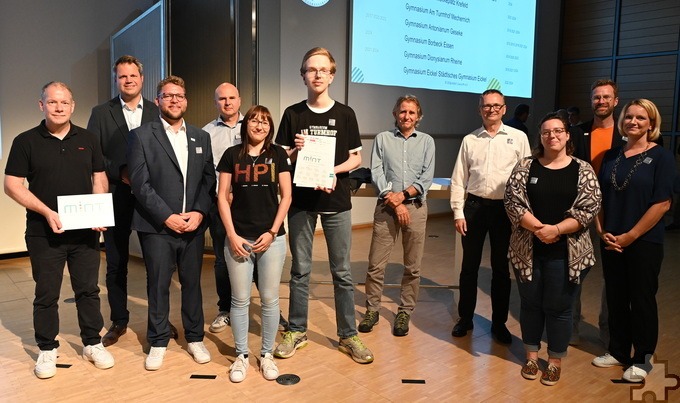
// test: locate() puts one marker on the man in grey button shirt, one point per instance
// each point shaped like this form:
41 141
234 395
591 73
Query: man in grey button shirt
402 167
225 131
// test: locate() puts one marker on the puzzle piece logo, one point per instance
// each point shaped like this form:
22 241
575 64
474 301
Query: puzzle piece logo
657 384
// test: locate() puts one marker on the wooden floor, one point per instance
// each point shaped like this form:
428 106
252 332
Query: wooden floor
474 368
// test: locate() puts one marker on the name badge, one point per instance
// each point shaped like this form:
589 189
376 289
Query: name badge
647 160
510 141
268 161
192 139
199 150
533 180
331 122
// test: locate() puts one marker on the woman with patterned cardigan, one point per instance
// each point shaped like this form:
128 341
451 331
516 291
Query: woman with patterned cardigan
550 199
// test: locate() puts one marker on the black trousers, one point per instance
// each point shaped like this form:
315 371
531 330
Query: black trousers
48 255
485 216
219 234
631 279
163 254
117 241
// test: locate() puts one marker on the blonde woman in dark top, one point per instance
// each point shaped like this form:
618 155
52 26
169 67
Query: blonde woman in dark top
637 188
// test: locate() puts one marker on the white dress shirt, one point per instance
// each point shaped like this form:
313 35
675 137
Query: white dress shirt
133 117
484 164
180 146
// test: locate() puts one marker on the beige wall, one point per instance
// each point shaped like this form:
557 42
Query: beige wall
41 41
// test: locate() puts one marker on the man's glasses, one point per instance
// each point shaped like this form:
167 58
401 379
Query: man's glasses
605 98
321 73
489 107
168 97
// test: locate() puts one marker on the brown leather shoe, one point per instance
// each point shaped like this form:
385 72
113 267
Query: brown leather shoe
173 331
114 333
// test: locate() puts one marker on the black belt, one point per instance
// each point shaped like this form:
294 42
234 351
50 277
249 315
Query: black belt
483 201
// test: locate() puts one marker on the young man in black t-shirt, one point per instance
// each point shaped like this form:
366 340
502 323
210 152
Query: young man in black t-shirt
320 115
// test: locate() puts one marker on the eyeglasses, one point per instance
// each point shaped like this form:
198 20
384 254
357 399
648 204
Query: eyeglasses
605 98
169 97
495 107
321 73
558 132
255 123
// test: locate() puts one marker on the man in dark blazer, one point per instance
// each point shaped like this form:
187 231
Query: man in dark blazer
173 178
112 122
591 140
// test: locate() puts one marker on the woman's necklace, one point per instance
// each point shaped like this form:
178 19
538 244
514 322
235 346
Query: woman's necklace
254 159
638 161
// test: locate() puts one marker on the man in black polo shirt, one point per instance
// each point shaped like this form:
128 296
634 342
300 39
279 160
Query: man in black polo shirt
58 158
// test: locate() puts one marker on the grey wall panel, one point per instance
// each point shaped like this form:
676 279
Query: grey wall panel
143 38
652 78
588 29
646 37
649 26
202 52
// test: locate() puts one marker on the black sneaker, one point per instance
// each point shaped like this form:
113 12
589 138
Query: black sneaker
401 324
370 319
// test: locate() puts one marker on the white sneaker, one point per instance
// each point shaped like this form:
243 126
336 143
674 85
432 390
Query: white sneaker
606 361
200 353
97 353
237 370
220 323
154 360
634 374
46 364
268 367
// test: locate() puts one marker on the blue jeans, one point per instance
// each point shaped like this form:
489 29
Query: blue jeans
218 235
547 301
337 229
270 266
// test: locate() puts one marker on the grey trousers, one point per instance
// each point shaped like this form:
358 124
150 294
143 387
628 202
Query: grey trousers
386 228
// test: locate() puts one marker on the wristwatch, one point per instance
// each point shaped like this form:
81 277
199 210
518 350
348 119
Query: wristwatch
272 233
407 195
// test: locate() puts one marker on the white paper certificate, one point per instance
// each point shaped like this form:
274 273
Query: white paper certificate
315 162
85 211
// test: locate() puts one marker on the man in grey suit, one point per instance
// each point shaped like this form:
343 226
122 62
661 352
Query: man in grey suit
173 177
112 122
